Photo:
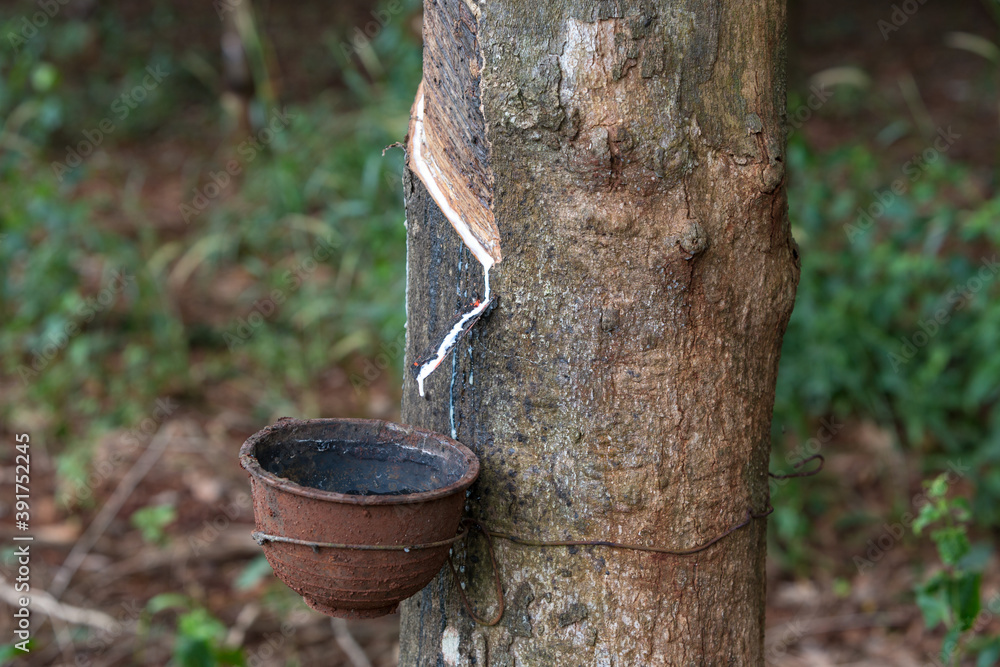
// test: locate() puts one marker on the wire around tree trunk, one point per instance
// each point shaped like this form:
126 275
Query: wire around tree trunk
469 522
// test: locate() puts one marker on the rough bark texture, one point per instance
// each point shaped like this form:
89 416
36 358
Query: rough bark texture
622 389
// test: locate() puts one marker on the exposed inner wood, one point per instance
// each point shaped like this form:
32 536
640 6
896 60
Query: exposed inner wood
447 146
467 214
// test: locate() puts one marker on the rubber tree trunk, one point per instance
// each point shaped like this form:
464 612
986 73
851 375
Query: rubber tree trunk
622 388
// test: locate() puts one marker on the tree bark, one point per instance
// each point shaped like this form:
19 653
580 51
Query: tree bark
622 388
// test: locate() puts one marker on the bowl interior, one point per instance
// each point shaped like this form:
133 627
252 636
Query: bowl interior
360 457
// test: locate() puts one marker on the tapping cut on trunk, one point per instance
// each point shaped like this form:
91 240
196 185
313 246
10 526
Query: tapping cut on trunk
458 187
467 209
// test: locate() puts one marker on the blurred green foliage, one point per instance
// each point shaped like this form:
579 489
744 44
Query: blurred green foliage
897 320
314 221
152 521
951 596
199 637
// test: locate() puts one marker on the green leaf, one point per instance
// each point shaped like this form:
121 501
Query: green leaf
200 624
43 77
950 646
256 571
989 655
167 601
192 652
964 598
932 602
977 558
230 656
939 487
961 510
152 520
929 513
198 636
8 652
952 544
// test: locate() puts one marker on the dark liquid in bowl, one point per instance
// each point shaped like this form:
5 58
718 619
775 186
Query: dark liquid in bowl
359 469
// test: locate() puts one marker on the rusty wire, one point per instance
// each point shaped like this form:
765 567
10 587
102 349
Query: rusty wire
496 576
750 516
263 538
808 473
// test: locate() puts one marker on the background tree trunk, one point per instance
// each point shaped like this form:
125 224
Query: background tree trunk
622 388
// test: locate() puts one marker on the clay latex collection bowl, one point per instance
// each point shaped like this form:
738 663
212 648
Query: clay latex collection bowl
355 482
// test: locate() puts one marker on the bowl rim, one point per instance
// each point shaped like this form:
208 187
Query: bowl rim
253 467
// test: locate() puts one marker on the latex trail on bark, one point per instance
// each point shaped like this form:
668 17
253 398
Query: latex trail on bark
463 204
447 149
462 324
